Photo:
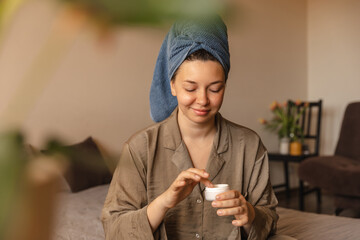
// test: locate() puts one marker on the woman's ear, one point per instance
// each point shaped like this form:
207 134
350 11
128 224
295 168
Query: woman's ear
172 86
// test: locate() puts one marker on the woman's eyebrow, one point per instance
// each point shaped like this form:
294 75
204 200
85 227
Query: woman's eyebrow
193 82
216 82
190 81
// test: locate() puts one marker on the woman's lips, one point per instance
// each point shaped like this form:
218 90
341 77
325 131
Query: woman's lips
201 112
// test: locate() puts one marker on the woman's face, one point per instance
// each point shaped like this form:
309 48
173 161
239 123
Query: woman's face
199 87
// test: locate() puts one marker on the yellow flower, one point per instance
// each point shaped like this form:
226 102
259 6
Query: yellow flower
273 105
262 121
297 102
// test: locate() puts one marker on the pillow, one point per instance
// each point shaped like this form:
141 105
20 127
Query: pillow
87 167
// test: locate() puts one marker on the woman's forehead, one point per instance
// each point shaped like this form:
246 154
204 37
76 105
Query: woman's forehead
198 68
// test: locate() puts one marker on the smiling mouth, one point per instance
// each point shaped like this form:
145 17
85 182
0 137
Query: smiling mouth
201 112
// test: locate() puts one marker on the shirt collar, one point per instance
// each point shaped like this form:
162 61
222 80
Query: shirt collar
173 137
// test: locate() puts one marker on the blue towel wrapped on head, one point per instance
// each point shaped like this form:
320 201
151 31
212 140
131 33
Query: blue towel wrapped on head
184 38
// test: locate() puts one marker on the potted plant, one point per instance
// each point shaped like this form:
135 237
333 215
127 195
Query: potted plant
285 123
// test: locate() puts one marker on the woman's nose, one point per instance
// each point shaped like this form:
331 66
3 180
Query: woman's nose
202 98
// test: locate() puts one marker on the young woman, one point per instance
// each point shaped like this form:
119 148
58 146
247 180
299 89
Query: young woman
157 191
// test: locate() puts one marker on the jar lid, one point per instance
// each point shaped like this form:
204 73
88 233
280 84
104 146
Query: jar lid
217 187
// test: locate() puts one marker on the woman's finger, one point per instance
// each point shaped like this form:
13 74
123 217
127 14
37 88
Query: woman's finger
235 202
186 178
242 200
231 211
207 182
243 220
201 172
228 195
198 175
186 175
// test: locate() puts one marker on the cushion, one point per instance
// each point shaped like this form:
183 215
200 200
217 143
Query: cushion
337 174
87 168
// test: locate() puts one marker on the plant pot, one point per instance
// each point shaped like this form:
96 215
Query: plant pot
284 145
295 148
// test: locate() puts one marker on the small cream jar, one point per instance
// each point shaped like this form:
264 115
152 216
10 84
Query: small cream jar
210 193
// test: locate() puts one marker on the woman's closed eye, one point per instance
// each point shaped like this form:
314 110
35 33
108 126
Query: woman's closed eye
213 89
216 89
190 89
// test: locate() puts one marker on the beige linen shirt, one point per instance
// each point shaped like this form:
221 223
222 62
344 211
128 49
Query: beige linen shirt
152 159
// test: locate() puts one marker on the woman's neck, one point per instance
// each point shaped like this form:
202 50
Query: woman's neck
196 131
198 138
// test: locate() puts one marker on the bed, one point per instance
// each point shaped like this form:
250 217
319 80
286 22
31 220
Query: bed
78 218
85 186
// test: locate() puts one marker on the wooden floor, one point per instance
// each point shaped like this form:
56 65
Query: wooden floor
326 207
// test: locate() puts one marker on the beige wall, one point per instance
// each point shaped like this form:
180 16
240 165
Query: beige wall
103 91
268 54
333 61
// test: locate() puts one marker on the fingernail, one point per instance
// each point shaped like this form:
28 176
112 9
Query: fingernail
214 204
217 197
220 212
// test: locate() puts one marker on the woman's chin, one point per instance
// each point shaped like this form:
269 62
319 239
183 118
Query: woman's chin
202 119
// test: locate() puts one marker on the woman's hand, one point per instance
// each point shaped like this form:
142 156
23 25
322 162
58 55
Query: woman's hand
184 185
178 191
233 203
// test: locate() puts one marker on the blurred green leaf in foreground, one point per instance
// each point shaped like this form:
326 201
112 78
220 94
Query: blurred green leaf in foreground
12 166
13 160
117 12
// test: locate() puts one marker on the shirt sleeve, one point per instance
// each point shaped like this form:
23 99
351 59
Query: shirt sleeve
124 215
262 197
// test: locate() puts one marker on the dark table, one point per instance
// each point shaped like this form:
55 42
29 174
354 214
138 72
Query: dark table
286 159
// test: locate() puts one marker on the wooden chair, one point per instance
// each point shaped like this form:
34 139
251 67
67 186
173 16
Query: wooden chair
310 118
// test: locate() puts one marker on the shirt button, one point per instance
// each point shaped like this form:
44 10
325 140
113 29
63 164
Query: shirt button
197 235
199 201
